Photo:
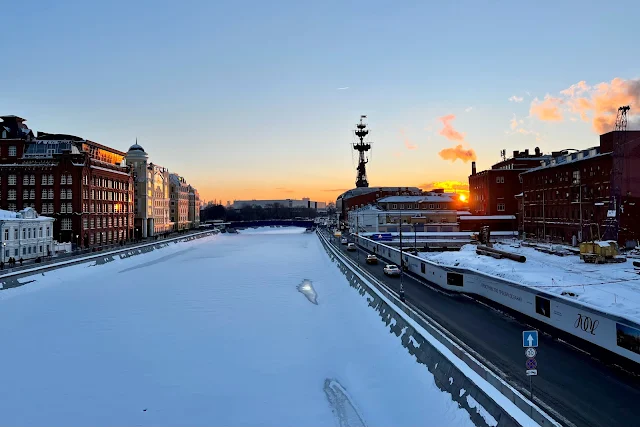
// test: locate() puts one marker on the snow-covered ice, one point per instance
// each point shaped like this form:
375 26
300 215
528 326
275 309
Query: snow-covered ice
613 288
209 332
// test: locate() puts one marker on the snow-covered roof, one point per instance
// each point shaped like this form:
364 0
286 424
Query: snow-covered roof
588 153
487 217
28 214
365 190
8 214
416 199
463 213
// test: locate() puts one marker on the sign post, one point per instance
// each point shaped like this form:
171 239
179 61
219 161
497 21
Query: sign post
530 342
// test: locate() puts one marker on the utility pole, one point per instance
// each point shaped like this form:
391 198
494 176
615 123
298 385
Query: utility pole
357 241
401 262
580 203
544 222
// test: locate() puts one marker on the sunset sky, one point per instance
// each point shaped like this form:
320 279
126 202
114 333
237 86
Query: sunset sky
259 99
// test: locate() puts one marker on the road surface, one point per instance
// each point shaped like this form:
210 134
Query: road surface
583 390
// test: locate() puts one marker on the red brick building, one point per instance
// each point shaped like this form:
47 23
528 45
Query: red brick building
493 191
82 184
569 194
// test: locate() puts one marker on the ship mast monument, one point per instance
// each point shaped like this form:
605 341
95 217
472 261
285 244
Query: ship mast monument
362 147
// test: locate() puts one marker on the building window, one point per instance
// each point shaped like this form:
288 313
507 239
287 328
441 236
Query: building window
44 179
25 194
63 208
32 180
65 224
12 180
40 248
85 223
48 232
50 194
24 233
44 193
25 180
500 179
63 194
32 194
40 235
69 208
500 207
50 182
91 223
24 251
11 195
99 222
12 150
85 179
6 234
69 180
29 232
63 179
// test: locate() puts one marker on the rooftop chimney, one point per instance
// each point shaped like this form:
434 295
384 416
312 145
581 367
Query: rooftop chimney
473 168
515 153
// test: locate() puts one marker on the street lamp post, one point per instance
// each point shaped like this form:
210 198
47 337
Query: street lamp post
415 240
401 263
4 245
77 241
357 251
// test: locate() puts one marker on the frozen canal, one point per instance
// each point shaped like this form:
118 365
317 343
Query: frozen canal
258 328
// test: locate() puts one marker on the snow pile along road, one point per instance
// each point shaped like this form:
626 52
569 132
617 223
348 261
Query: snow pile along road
256 328
613 288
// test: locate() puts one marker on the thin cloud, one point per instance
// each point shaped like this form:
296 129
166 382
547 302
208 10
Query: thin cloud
448 131
515 98
333 190
458 152
410 145
284 190
513 123
468 109
343 88
547 110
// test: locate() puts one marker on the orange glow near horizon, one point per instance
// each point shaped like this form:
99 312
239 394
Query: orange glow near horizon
316 192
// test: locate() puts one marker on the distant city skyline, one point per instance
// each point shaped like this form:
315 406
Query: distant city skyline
259 101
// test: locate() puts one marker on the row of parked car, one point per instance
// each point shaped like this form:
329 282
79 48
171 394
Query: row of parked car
389 269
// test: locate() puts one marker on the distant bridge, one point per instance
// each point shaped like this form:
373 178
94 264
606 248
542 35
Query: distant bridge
305 223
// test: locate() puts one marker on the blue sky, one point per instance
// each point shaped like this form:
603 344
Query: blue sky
242 97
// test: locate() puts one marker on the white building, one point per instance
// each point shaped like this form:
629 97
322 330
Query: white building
151 195
25 234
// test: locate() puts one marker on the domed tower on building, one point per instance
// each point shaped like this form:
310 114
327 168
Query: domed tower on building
151 197
138 160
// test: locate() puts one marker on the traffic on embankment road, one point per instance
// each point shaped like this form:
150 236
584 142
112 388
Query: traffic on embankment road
581 389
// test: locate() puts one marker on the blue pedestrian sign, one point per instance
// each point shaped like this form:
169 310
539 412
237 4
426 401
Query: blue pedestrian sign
530 338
